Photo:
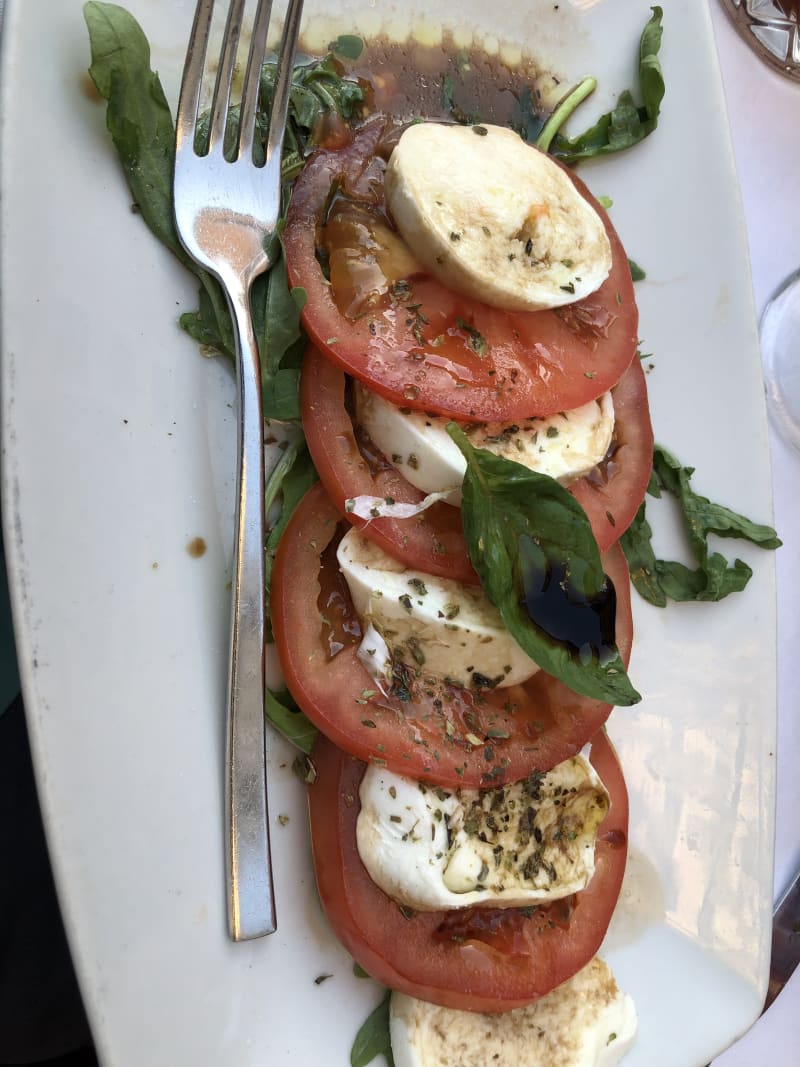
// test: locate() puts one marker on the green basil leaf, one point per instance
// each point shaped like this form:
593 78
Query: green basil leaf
627 123
281 710
276 322
701 516
306 105
211 324
373 1038
533 548
137 116
348 46
637 545
714 577
139 121
637 274
281 395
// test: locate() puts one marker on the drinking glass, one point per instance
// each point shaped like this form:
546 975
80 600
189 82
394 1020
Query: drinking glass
772 29
780 349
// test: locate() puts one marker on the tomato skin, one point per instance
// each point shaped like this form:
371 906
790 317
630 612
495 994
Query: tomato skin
409 953
434 540
535 363
532 726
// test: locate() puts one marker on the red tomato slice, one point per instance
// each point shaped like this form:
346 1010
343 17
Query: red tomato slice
482 959
484 363
442 734
434 541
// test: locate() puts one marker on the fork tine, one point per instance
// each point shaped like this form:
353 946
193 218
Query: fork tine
227 64
252 78
283 83
192 80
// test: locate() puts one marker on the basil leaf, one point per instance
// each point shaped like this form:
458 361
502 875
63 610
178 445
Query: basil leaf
627 123
138 115
714 577
532 546
373 1037
347 45
276 321
139 121
637 274
637 545
281 710
293 476
208 325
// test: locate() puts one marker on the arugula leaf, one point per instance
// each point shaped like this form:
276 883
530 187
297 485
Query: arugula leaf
714 578
628 123
287 718
533 548
373 1037
290 478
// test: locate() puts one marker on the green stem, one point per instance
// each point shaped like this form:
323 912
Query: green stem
563 112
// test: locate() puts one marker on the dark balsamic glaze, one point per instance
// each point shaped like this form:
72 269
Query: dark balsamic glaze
559 606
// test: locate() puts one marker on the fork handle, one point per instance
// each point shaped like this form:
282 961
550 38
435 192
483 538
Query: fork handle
251 902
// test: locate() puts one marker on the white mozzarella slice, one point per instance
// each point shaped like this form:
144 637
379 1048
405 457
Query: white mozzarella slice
586 1022
435 625
522 844
565 446
494 218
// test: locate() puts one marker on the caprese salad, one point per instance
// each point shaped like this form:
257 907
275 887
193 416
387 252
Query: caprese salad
466 297
454 327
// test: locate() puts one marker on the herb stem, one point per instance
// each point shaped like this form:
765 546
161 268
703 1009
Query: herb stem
563 112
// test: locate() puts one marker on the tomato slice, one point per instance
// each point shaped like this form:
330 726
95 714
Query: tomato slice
442 734
484 959
422 346
434 541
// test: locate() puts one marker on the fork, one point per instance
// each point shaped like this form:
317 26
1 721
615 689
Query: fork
226 213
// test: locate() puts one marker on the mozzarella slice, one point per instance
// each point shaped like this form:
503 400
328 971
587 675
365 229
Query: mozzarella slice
527 843
494 218
434 625
565 446
586 1022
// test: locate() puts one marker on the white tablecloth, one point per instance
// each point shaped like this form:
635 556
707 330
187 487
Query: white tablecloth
764 112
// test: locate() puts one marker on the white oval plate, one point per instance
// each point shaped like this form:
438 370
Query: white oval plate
118 451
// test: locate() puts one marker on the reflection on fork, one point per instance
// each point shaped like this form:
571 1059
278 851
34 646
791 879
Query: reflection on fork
226 212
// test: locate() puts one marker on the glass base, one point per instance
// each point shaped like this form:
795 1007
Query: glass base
780 348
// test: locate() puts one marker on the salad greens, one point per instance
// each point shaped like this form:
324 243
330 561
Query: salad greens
373 1037
529 540
534 529
143 132
628 123
714 578
534 551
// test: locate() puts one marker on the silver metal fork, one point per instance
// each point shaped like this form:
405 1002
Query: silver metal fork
226 213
